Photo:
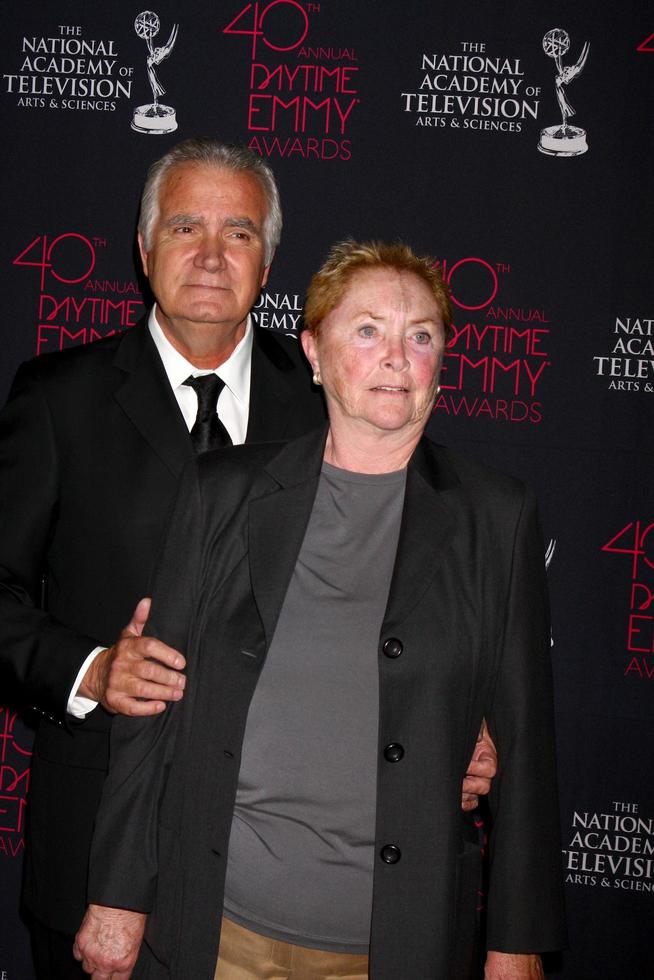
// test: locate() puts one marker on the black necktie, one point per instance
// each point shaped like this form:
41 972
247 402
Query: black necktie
208 432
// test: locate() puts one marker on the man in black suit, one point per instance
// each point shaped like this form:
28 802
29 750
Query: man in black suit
92 443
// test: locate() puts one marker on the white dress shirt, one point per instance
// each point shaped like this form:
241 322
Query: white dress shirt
233 410
234 400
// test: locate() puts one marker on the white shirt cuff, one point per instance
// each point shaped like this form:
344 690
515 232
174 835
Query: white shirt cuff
78 706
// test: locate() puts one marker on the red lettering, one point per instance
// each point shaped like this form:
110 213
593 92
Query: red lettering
63 265
493 284
637 626
298 31
643 603
640 667
637 546
12 811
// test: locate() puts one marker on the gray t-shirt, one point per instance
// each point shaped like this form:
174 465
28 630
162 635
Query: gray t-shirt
301 846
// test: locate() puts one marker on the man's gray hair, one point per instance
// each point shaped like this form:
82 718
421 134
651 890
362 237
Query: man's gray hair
212 153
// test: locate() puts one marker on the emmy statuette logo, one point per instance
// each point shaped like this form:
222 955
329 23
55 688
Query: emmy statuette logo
155 118
563 140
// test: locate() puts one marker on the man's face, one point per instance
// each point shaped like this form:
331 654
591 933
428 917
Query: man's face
206 257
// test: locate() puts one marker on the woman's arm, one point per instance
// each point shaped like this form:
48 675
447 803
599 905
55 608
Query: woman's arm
525 898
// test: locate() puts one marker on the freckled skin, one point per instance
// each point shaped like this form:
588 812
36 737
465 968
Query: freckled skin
378 355
206 259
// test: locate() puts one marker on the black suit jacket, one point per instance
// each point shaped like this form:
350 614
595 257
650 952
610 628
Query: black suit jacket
465 635
92 443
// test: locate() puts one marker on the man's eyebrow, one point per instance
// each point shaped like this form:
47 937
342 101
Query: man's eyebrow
183 219
245 223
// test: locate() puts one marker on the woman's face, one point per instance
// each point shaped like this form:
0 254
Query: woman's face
379 352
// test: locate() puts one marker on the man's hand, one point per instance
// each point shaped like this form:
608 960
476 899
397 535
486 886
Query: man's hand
108 942
138 674
513 966
482 768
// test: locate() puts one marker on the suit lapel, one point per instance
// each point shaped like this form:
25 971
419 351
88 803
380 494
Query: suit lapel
428 522
147 399
272 398
278 521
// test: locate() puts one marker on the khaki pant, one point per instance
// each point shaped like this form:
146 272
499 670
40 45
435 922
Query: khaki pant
246 955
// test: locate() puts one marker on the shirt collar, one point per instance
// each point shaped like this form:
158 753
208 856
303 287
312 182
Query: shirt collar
235 371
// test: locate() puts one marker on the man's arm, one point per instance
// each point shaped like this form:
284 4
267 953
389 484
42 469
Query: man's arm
513 966
108 942
138 674
40 657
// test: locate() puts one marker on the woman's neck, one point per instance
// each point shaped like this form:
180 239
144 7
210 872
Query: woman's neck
368 451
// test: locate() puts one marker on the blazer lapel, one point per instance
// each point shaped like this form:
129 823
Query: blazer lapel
428 522
147 399
278 521
272 398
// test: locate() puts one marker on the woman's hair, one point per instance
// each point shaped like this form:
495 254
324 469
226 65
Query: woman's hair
348 257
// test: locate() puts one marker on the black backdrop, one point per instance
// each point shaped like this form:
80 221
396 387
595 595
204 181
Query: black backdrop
417 120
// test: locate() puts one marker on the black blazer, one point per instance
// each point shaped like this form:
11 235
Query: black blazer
465 635
92 443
